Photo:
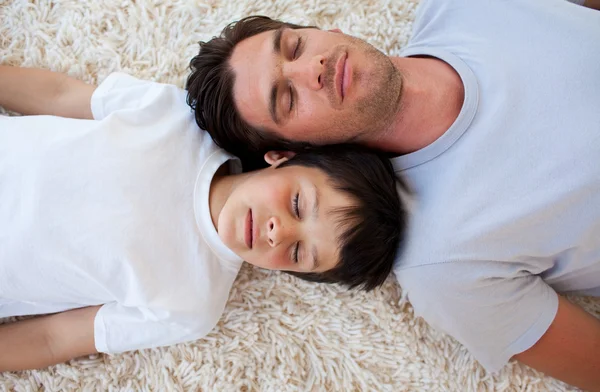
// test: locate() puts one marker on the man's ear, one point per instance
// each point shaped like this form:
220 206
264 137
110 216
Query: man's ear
276 158
335 30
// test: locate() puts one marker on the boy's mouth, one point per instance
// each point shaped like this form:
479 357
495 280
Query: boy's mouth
248 235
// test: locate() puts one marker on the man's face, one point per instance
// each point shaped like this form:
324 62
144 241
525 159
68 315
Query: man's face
281 219
314 86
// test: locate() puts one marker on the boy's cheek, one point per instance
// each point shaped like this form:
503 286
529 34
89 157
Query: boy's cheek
273 192
274 260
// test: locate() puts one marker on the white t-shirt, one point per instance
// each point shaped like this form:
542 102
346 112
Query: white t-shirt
507 201
115 211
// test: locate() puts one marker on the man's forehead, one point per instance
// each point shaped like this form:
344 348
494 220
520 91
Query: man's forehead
252 62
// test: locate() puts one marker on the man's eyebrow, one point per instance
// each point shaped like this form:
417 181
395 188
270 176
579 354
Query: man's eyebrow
275 86
273 103
277 40
315 259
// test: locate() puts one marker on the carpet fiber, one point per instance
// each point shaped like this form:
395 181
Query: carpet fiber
277 333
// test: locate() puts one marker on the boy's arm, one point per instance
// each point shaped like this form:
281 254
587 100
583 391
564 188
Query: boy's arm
47 340
39 91
570 348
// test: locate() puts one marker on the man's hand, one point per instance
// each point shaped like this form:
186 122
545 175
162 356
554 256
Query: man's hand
47 340
38 91
570 349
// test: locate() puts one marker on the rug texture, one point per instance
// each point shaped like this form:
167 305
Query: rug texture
277 333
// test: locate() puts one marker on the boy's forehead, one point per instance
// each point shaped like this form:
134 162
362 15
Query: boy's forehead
334 224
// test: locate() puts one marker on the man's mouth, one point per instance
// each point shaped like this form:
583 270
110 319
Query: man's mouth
341 78
249 232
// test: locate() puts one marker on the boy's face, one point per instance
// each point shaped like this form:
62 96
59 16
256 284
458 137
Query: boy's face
281 219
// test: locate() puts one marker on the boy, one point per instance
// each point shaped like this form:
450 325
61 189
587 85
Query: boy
129 224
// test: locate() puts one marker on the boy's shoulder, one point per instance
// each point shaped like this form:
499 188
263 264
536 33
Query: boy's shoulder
121 92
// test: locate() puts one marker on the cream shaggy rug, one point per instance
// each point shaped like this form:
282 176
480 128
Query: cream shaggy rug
278 333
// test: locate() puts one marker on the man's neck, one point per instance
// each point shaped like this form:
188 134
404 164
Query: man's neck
432 97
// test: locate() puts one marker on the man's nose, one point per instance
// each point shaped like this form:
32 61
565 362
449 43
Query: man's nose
306 73
277 232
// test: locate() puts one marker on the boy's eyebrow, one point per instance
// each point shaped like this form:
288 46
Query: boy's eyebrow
316 203
315 213
275 86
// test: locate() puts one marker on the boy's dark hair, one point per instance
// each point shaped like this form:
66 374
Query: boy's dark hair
210 91
373 227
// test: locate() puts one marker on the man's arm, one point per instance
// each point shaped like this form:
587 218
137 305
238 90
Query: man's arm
47 340
595 4
570 348
39 91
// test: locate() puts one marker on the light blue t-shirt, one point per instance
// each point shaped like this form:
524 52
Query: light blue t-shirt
507 201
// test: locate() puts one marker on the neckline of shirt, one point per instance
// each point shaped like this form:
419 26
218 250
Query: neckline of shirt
463 120
202 207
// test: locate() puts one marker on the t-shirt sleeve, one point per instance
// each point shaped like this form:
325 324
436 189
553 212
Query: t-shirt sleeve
119 92
119 328
493 317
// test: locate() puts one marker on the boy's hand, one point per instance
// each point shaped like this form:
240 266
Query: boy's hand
39 91
47 340
570 349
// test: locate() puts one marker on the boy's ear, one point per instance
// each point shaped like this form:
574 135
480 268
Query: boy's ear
335 30
275 158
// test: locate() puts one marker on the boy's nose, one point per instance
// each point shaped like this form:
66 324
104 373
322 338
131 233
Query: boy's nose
276 231
307 74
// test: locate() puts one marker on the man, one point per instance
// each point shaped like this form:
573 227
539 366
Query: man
492 114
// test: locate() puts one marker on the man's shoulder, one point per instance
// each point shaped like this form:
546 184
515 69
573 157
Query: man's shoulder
442 269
